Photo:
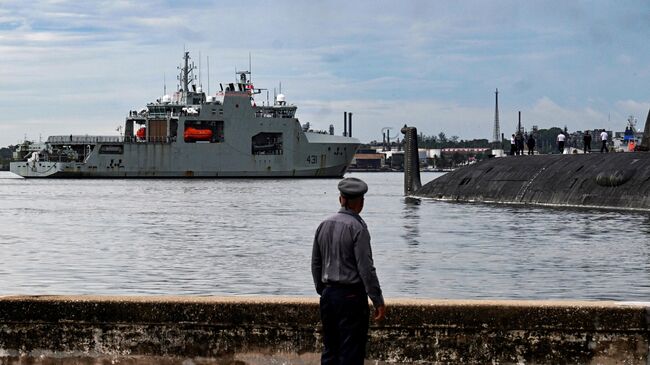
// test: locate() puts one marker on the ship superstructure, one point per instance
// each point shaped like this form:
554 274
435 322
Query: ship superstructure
191 134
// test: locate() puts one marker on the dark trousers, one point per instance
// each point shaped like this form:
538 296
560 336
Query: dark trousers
588 147
603 147
560 146
344 312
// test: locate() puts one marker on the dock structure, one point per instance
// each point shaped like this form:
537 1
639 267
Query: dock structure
263 330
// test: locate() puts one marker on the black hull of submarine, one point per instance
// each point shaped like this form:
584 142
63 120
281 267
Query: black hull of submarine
609 180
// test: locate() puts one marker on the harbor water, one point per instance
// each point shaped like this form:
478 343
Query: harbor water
254 237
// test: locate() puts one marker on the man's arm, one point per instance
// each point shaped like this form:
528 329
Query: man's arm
317 264
365 265
380 313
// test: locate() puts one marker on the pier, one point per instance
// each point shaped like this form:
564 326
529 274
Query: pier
263 330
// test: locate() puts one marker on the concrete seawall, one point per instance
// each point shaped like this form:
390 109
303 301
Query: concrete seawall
263 330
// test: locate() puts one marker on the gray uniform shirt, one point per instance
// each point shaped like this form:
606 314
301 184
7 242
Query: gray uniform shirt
342 255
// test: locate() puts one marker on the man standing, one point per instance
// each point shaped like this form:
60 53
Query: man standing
603 139
344 276
587 142
560 142
531 144
519 141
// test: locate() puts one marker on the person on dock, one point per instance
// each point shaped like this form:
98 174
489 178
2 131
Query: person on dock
530 142
519 142
344 275
586 141
513 146
603 139
560 142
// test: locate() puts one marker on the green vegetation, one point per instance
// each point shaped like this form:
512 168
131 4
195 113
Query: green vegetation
546 140
6 154
441 141
545 143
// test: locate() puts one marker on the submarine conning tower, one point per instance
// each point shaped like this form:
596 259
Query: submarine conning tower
597 180
411 161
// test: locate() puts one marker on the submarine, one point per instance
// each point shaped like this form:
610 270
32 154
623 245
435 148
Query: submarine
618 181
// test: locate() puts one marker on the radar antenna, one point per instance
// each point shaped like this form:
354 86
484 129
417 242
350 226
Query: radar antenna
631 123
187 72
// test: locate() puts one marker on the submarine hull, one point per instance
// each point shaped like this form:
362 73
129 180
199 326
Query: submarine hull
609 180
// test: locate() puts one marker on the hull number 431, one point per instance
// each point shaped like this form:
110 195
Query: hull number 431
312 159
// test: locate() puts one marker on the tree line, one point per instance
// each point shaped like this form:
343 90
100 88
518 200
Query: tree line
6 154
545 141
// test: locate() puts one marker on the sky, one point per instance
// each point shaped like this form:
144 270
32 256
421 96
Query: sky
72 67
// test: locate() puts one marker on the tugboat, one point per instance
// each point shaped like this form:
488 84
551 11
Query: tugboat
191 134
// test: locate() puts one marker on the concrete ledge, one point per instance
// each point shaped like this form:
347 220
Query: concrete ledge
256 329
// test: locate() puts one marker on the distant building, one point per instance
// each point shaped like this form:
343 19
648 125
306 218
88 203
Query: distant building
397 160
434 152
371 161
378 159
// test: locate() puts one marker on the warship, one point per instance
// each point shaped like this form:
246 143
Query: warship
191 134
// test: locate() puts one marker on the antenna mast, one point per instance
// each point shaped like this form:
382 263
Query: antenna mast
497 129
208 74
186 72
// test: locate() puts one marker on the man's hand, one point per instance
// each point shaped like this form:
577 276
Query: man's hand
380 313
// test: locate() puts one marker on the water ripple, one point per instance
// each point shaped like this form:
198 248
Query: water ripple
236 237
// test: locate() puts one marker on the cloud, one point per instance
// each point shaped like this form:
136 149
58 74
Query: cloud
548 113
431 64
370 116
640 110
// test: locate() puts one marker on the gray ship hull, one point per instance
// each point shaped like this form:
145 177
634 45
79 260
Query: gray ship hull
328 158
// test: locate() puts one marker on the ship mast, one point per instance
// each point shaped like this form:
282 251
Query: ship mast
187 74
186 77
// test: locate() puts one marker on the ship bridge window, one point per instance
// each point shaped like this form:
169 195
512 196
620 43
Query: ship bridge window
266 143
108 149
158 110
275 112
205 131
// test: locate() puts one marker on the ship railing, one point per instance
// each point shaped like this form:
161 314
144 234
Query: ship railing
71 139
162 114
158 139
77 140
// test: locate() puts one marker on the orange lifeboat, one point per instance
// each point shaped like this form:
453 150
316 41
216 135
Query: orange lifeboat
141 133
193 134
